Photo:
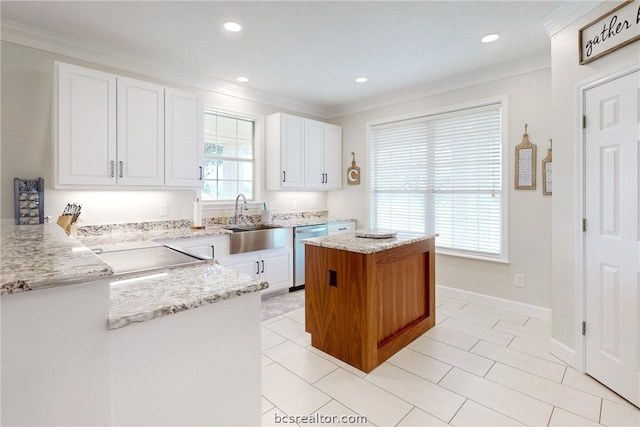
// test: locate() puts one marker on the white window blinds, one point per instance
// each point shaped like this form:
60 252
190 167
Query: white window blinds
441 173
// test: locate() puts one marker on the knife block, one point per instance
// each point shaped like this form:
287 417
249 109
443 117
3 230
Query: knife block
65 222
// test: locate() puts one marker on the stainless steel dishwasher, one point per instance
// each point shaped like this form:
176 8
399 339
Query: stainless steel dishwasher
300 233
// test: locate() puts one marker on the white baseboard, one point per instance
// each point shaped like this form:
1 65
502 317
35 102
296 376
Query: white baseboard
562 352
528 310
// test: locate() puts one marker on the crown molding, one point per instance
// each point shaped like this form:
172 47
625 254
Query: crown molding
479 76
568 13
35 38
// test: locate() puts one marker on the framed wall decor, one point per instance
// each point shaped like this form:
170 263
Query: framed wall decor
526 153
610 32
547 176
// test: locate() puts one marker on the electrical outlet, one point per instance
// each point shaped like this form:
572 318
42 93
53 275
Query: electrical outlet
294 205
519 280
273 205
163 210
313 204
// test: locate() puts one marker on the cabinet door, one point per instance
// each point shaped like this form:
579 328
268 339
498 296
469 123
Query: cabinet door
247 265
332 156
314 171
276 269
86 153
140 133
292 151
184 139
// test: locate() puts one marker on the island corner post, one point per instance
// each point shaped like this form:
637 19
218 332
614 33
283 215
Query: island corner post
364 308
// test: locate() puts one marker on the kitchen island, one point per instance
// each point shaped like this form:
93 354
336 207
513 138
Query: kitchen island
82 347
367 298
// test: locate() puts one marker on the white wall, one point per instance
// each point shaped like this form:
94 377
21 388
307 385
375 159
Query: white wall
529 101
566 75
27 88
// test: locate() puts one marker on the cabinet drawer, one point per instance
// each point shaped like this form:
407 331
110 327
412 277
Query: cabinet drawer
341 227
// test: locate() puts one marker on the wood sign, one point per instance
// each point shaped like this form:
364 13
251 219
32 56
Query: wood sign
547 169
610 32
353 172
526 153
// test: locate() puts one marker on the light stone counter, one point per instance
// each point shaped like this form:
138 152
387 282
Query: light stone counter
43 256
176 290
37 257
350 243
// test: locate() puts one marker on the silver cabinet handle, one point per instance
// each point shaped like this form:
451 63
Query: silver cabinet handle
121 168
200 172
262 266
113 168
257 268
213 251
284 176
326 178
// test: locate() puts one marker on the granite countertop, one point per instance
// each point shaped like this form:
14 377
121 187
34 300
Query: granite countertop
44 256
176 290
349 242
124 235
298 222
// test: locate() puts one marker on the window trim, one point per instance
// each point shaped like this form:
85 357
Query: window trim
506 155
258 144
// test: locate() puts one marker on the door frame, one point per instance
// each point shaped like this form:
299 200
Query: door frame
580 240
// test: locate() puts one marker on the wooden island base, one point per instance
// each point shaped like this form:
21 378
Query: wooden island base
362 308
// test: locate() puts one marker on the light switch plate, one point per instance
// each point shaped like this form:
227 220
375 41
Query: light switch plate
163 210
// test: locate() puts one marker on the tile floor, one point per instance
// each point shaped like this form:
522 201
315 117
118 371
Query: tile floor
477 367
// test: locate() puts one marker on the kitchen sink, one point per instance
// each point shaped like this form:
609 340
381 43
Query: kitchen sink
255 238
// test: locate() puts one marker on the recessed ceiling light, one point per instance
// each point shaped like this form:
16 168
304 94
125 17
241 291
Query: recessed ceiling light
242 79
490 38
361 79
232 26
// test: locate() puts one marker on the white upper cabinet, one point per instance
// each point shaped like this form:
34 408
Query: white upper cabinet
184 139
112 131
285 151
303 153
323 155
86 124
140 133
314 154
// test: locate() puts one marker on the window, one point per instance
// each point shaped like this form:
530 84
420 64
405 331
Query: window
228 157
441 173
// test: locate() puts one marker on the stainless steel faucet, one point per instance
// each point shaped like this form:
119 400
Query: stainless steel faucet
236 215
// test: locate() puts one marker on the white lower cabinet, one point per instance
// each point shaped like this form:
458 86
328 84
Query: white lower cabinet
273 265
341 227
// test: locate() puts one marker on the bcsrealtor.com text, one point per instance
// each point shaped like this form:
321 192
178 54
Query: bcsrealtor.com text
319 418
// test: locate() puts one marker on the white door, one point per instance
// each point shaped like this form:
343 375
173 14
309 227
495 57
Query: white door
314 176
86 126
184 139
612 264
140 133
332 156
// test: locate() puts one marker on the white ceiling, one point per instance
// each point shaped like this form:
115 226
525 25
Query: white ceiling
306 52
